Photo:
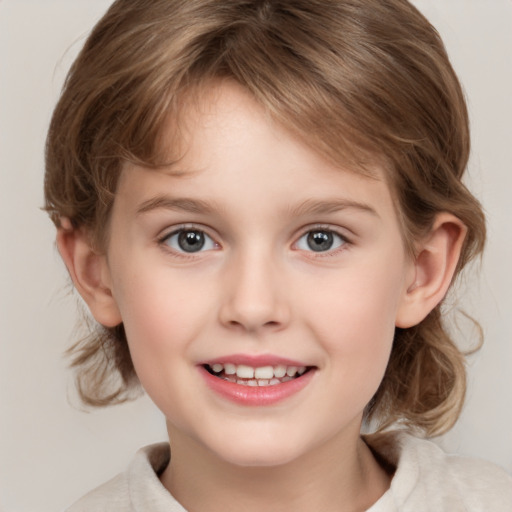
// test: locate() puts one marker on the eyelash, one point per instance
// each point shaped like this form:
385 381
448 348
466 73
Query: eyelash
343 241
163 241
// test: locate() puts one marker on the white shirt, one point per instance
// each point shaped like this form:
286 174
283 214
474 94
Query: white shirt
426 480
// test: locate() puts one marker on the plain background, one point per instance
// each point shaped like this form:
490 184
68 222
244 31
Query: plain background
51 452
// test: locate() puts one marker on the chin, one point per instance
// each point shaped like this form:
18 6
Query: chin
256 451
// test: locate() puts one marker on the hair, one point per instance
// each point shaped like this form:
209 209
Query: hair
361 81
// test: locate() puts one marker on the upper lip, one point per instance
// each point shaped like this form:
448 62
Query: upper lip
254 360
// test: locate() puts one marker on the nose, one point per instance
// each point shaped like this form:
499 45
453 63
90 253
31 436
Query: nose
254 297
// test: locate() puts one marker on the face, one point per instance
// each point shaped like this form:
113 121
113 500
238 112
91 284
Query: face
258 284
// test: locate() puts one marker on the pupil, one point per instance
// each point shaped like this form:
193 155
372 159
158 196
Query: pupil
191 241
320 241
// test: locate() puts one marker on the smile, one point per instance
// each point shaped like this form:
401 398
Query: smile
260 376
256 380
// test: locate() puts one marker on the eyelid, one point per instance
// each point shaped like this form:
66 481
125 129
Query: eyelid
336 231
176 230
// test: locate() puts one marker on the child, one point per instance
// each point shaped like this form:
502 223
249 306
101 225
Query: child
261 204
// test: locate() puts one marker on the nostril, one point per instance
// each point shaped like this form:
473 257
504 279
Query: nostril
249 326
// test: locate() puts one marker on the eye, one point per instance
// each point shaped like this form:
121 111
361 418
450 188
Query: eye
189 241
320 240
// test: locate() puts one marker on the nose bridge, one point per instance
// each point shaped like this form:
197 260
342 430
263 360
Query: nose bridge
254 297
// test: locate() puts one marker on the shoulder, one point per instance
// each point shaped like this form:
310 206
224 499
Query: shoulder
427 478
483 485
112 496
136 489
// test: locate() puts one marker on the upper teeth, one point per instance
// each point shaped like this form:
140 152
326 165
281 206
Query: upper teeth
243 371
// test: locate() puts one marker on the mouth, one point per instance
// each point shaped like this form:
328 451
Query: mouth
262 380
261 376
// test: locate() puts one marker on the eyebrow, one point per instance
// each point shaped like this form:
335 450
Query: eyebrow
178 203
314 207
308 207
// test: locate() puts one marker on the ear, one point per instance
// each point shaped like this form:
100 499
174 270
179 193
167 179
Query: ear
89 272
435 263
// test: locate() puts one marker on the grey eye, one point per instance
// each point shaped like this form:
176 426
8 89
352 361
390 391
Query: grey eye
320 240
190 240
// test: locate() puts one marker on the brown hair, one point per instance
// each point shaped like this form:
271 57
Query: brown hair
361 81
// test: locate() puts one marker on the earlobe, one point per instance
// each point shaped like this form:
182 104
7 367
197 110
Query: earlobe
89 272
434 267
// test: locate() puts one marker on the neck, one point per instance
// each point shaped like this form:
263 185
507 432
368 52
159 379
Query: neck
341 475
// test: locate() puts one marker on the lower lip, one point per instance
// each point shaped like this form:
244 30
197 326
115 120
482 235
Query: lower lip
256 395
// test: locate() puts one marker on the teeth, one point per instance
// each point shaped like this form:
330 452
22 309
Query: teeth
279 371
244 372
261 376
264 372
229 369
291 371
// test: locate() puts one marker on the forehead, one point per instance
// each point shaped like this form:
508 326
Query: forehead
221 104
227 146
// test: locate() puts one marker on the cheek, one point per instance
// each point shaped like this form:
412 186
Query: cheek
161 323
360 306
161 313
355 321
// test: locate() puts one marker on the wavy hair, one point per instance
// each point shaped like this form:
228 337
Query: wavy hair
361 81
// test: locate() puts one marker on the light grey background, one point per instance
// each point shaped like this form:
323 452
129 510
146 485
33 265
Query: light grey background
51 452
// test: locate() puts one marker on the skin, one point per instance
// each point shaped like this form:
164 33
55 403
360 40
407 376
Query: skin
257 287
